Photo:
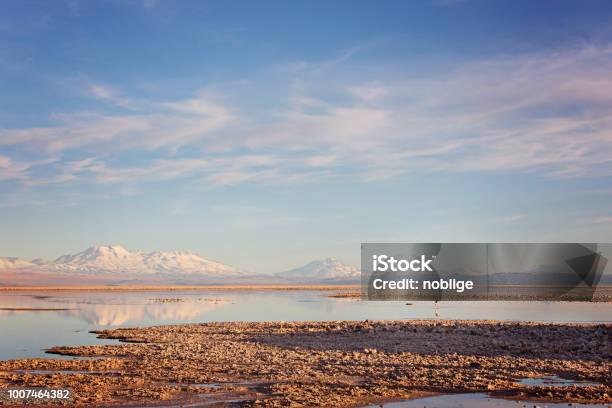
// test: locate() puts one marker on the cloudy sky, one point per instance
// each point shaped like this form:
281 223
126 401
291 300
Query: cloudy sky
267 134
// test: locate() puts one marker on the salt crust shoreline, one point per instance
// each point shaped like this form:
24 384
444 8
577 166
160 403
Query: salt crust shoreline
341 363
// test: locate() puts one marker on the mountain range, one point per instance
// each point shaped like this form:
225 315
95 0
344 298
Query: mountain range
117 265
116 259
326 270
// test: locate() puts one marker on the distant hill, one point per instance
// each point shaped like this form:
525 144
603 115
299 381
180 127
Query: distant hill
14 263
540 278
327 270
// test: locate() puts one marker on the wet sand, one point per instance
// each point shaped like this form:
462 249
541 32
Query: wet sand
339 363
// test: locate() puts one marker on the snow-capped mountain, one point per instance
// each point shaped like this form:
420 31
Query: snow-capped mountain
103 258
14 263
185 262
118 265
325 270
114 259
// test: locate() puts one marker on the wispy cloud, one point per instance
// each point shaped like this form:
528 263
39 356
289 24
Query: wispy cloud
106 93
601 220
323 66
548 114
9 170
170 125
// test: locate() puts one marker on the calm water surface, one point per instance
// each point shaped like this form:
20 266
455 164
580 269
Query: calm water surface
478 401
71 315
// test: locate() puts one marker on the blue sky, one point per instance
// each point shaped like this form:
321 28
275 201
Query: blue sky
268 134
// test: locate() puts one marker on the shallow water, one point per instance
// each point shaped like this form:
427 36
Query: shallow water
27 333
476 401
555 381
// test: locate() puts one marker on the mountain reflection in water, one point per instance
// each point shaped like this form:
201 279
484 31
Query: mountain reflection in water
31 322
98 314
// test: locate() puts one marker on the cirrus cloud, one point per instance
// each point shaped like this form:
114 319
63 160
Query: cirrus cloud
547 113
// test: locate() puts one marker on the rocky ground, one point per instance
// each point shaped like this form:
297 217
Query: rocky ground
344 363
